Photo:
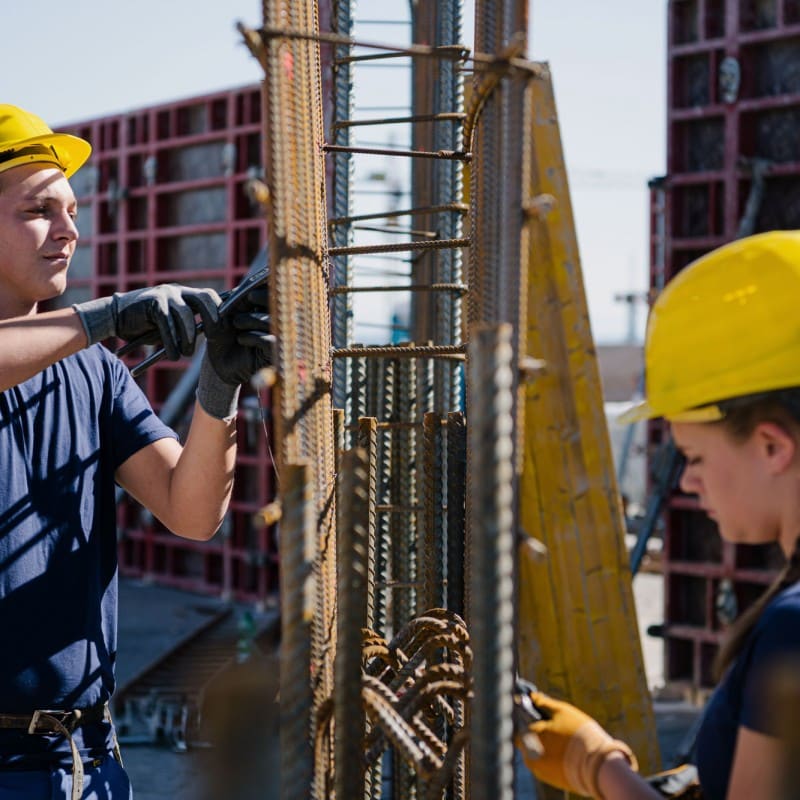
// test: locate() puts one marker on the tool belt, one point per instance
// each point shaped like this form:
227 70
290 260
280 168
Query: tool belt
46 722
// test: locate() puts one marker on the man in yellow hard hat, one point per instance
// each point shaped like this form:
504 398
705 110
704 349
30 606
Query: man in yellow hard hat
72 424
722 361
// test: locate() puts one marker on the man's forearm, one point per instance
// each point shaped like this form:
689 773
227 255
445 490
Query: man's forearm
30 344
202 481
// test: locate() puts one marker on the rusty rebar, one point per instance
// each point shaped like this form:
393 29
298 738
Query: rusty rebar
458 288
456 509
386 411
460 208
399 352
298 601
491 534
481 61
457 155
342 236
399 247
299 308
352 590
448 116
431 529
368 442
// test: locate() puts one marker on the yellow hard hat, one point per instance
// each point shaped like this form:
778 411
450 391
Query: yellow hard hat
726 326
26 139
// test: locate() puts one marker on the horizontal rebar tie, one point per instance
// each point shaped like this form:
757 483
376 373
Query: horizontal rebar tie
412 287
445 116
389 426
457 155
452 52
421 351
399 247
460 208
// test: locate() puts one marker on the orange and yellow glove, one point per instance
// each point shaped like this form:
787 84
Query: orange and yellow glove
574 746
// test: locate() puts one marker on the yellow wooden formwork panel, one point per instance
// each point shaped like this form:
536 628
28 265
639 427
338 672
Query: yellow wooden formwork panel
578 632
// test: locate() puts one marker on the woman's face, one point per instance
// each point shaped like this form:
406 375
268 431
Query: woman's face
732 480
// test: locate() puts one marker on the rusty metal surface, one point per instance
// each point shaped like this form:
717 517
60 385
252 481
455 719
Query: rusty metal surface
296 216
352 613
298 602
419 546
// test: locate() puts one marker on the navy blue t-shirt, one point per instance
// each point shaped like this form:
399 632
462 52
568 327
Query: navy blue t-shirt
741 697
63 434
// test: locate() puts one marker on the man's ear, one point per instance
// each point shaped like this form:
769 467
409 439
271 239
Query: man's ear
776 445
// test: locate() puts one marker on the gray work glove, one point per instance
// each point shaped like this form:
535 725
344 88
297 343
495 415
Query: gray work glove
238 344
164 314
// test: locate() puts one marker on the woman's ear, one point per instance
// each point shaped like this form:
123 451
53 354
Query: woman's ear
775 445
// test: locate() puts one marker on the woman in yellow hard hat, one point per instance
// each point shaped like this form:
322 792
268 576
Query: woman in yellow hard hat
722 361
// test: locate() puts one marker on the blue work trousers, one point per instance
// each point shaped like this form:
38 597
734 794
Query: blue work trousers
106 780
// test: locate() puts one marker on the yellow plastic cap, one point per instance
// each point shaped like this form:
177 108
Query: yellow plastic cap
726 326
26 139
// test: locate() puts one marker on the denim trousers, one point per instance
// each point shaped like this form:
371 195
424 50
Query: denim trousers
104 779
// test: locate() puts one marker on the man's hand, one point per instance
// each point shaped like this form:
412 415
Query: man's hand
164 314
238 345
575 747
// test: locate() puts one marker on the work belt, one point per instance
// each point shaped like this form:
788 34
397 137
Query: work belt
62 723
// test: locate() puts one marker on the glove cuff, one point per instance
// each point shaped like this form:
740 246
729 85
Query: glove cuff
218 399
583 769
97 318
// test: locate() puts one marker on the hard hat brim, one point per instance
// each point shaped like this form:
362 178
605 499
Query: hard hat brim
69 153
643 410
635 413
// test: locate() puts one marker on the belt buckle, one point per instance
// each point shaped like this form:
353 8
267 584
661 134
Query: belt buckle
62 717
34 722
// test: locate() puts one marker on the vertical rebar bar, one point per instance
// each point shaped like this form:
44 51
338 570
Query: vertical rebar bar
358 391
430 523
297 587
338 437
491 533
353 523
299 304
383 567
368 442
456 512
404 481
404 556
341 234
373 386
496 190
448 189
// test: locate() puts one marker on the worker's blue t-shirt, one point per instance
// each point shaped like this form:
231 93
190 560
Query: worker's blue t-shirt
742 696
63 434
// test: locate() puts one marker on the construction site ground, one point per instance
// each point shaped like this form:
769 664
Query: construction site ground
153 619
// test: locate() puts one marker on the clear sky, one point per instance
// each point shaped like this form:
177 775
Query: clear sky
73 61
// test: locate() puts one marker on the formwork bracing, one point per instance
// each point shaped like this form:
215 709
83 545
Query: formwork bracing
400 462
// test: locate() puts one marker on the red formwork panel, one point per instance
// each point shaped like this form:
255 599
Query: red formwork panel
163 199
733 116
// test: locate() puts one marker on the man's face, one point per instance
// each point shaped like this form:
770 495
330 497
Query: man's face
37 236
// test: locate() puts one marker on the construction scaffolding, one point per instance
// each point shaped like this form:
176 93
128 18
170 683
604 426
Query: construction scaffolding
402 465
